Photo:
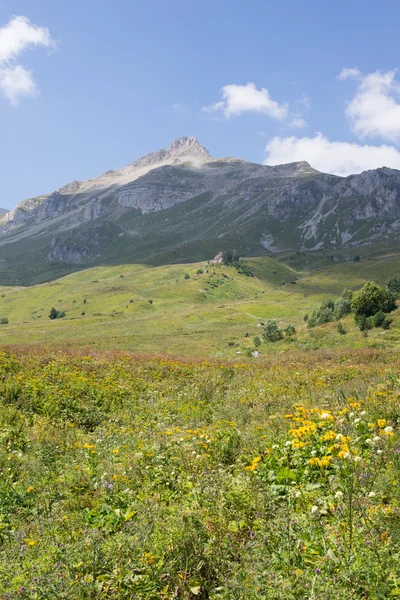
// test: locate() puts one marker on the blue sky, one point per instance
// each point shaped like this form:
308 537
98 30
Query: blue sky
92 85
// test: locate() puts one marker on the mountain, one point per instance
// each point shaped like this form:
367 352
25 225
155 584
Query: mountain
183 204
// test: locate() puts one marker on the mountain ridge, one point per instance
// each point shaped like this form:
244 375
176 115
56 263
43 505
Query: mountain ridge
182 203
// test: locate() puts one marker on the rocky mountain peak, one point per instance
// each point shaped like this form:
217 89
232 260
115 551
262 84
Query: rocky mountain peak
187 146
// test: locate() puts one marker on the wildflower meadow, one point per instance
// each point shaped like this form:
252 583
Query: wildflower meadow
130 477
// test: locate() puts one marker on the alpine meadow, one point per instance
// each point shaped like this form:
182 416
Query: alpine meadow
199 350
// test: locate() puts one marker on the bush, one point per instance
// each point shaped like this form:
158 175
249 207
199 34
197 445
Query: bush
56 314
187 276
271 332
290 331
53 313
256 341
4 321
379 318
364 323
199 272
331 310
341 329
150 301
229 257
394 285
371 299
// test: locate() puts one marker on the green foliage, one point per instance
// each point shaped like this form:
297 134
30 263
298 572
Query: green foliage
56 314
187 276
272 332
364 323
156 479
150 301
290 331
199 272
331 310
4 321
243 269
53 313
394 285
256 341
341 328
229 257
371 299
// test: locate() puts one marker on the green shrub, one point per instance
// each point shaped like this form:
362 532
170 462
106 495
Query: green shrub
394 285
4 321
187 276
271 332
290 331
341 329
256 341
364 323
371 299
199 272
150 301
53 313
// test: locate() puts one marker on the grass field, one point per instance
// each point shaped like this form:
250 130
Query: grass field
146 454
208 314
157 479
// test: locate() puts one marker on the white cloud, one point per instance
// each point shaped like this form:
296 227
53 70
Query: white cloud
298 123
349 73
15 82
16 37
374 111
340 158
237 99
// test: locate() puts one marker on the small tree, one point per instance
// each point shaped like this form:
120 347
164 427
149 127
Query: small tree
290 331
256 341
371 299
229 257
187 276
53 313
4 321
271 332
394 285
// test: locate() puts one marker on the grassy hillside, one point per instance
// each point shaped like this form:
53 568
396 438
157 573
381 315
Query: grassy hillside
157 310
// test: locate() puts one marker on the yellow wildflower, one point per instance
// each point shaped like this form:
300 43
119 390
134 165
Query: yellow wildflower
329 435
381 423
254 464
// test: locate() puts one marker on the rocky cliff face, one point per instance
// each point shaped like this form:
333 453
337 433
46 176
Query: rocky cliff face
172 198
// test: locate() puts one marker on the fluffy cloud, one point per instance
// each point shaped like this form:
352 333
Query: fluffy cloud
340 158
298 123
16 37
237 99
15 82
374 111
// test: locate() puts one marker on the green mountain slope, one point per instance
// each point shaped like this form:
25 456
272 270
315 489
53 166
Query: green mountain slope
207 314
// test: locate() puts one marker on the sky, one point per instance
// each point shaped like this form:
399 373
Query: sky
88 86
